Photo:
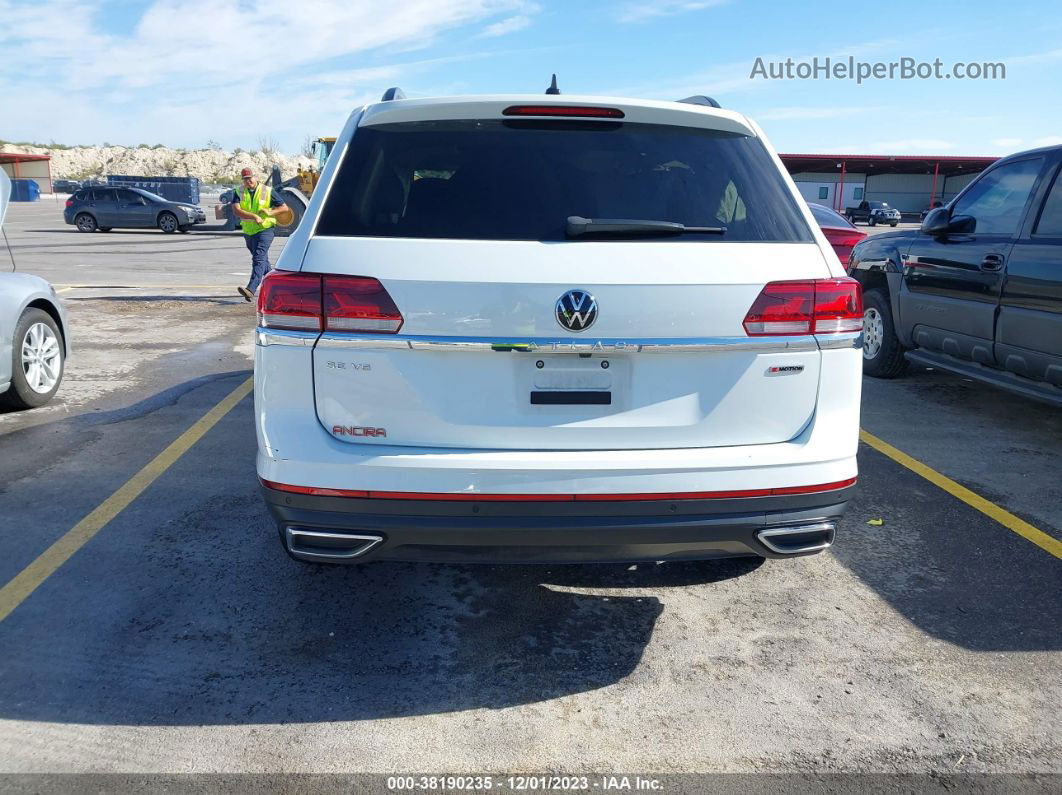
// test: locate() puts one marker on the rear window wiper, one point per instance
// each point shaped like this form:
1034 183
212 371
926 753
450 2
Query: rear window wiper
583 227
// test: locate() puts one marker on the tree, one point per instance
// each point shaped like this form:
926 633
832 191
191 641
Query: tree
268 145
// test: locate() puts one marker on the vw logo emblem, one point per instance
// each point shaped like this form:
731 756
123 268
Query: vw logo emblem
576 310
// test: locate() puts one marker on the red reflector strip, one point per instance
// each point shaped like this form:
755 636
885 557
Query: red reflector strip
563 110
448 497
465 496
840 484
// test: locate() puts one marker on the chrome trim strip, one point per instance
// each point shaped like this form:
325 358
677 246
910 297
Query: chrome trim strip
264 337
834 342
569 345
818 527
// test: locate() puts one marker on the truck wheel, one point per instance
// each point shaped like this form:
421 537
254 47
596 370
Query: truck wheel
295 203
894 223
882 351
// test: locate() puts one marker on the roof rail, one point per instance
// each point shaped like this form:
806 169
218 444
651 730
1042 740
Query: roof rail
394 93
700 99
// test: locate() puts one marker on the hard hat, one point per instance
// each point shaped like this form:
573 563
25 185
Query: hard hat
247 173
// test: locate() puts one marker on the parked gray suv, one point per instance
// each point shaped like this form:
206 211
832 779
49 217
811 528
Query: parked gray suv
106 207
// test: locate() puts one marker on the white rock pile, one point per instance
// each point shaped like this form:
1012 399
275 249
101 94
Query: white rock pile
210 165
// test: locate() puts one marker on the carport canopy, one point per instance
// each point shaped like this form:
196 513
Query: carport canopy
940 166
23 166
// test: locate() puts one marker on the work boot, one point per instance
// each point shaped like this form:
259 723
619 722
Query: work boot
247 294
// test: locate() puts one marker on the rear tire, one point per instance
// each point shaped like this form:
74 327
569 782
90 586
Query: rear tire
882 352
85 223
871 221
37 360
168 223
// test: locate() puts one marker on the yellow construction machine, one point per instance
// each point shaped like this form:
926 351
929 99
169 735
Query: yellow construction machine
297 190
308 178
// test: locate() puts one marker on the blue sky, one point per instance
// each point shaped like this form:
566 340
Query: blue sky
185 72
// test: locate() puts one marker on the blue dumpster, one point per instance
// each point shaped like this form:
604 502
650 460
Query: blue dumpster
175 189
25 190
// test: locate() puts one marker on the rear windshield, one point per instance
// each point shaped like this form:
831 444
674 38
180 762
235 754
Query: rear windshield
521 179
824 216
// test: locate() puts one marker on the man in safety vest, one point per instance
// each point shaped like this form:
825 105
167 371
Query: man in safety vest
255 205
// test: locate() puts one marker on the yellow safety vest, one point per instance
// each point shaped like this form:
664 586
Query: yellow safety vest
254 202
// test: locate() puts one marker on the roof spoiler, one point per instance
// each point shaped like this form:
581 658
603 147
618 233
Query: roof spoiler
700 99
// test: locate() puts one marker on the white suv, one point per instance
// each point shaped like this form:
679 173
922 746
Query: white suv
556 328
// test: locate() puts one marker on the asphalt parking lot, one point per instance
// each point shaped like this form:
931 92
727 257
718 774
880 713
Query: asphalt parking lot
181 638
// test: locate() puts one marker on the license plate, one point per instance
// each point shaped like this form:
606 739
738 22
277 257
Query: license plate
572 373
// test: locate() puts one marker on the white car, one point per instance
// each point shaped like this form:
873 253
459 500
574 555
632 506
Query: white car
556 328
33 333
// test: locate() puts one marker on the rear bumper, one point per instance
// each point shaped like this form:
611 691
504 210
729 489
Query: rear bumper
353 530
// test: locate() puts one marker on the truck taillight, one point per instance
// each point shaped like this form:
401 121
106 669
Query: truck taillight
822 306
315 302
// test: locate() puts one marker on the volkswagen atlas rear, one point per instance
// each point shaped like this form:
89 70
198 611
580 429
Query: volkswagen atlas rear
527 328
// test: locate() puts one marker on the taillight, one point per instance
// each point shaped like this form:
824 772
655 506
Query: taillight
315 302
822 306
358 303
564 110
838 306
289 300
69 202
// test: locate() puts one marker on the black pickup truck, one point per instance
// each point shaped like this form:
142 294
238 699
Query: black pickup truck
977 290
872 213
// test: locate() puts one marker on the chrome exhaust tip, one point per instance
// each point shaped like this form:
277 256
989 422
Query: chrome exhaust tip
798 539
326 546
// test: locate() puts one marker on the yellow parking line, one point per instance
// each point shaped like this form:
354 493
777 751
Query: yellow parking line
27 580
974 500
